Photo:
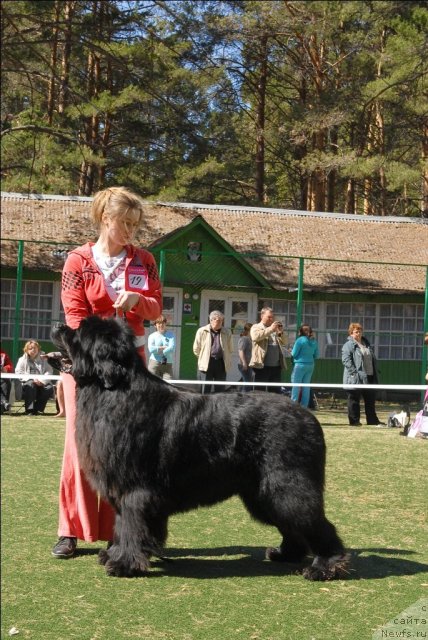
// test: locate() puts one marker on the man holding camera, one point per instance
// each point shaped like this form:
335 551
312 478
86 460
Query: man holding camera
267 358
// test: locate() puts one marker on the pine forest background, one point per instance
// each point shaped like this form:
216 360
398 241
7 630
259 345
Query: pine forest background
319 106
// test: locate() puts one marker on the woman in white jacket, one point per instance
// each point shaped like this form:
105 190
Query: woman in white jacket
35 391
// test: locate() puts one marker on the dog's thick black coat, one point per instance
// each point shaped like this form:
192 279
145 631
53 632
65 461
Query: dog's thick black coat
154 450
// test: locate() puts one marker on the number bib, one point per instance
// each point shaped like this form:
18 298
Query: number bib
137 279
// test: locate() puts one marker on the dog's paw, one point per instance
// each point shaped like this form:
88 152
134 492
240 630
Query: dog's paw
103 556
127 570
323 569
313 573
276 554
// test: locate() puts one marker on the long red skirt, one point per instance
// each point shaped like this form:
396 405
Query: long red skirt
82 514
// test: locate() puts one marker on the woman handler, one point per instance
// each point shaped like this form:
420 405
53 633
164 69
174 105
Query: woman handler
105 278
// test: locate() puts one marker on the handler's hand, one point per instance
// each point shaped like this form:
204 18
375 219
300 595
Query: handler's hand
126 300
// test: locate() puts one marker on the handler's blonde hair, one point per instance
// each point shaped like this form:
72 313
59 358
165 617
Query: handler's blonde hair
115 202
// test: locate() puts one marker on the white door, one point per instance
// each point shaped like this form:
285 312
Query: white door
172 305
238 308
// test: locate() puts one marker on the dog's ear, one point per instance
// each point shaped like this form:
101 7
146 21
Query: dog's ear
109 365
111 374
83 369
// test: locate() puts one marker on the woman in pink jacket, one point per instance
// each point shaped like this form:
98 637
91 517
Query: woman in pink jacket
106 278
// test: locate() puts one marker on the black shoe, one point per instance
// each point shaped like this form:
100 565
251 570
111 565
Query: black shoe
355 424
65 547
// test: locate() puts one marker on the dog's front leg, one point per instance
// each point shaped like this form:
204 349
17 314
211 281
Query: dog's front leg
139 534
104 554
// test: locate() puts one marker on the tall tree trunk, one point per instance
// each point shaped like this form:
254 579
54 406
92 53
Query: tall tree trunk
90 176
82 178
350 199
331 190
300 151
367 201
106 132
69 7
260 122
424 153
53 63
380 125
84 182
317 180
315 52
376 144
368 182
331 178
350 203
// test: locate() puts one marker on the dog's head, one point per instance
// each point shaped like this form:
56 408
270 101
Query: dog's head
101 351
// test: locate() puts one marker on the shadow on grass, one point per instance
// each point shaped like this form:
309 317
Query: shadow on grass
244 562
383 563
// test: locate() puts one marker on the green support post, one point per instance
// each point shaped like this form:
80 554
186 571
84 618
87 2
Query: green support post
162 266
300 295
18 296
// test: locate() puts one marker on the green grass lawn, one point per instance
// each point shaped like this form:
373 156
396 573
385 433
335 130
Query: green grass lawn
219 586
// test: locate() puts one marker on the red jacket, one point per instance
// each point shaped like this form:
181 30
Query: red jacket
84 293
6 362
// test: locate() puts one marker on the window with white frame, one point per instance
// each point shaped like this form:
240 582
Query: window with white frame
339 315
286 312
311 315
394 330
400 329
39 309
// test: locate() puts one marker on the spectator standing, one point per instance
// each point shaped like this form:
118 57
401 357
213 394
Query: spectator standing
6 383
161 345
304 354
213 348
244 354
360 367
35 391
268 341
106 278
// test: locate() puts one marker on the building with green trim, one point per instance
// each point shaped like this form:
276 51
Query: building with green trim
325 269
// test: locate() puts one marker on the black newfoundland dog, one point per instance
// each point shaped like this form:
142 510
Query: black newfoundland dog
154 450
